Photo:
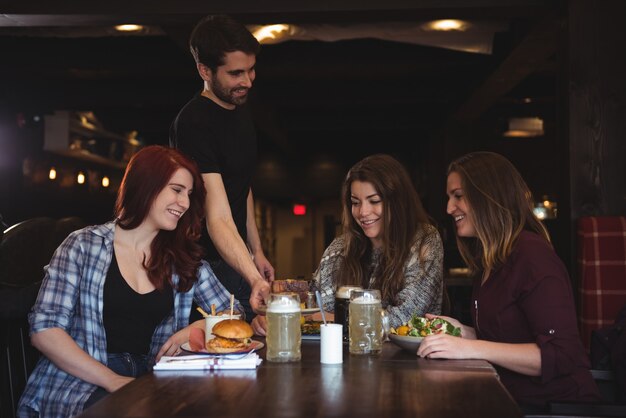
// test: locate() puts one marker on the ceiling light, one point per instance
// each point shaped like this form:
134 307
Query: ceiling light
80 178
129 27
52 174
270 33
446 25
105 181
524 128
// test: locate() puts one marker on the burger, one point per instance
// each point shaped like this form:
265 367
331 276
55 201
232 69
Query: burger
231 335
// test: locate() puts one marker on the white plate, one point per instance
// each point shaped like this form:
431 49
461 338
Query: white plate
309 311
408 343
254 345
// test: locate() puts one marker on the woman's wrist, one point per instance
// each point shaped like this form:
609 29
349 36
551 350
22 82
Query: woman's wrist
468 332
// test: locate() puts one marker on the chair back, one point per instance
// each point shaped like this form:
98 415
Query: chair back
601 272
25 249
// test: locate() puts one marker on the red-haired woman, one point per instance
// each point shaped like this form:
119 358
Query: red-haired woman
116 297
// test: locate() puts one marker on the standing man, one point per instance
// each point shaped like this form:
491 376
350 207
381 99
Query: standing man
216 130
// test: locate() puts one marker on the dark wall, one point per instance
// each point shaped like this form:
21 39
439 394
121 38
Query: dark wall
25 190
597 107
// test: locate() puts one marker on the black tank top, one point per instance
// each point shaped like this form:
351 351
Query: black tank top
130 318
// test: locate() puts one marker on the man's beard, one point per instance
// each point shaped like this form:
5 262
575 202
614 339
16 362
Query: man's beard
228 96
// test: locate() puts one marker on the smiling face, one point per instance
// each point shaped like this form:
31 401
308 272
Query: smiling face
230 83
367 211
172 202
458 207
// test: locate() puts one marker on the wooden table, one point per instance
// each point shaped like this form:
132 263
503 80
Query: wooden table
394 384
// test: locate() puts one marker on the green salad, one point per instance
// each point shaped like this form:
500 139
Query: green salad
419 326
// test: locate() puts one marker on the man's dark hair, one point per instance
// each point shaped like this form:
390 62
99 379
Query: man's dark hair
216 35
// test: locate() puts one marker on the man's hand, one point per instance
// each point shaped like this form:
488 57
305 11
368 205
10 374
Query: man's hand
260 293
259 325
263 265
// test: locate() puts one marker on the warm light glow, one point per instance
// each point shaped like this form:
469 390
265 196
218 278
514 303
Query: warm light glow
105 181
524 127
85 122
446 25
540 213
545 209
299 209
52 174
80 179
129 28
270 32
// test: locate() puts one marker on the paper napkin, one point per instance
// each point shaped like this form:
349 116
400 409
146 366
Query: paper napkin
200 362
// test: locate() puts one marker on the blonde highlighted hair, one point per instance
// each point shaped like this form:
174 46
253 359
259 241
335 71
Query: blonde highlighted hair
501 208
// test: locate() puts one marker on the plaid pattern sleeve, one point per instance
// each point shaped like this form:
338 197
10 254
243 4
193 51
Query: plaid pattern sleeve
601 272
70 298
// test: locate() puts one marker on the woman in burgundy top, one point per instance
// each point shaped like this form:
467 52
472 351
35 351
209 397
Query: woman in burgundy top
522 304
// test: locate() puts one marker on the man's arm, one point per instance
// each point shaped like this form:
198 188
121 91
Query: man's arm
226 238
254 242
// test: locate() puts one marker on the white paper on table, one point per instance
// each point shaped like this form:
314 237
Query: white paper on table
251 361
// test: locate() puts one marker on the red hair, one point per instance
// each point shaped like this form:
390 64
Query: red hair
147 173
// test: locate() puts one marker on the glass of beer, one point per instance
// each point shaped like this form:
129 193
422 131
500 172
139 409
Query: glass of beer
366 322
283 327
342 301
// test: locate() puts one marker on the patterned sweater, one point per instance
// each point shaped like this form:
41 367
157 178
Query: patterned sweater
423 277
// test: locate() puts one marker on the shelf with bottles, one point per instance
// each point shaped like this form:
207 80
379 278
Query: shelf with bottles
81 136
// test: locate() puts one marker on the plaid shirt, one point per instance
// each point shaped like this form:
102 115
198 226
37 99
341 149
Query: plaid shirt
71 298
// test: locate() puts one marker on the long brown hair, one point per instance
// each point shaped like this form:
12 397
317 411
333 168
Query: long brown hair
403 216
501 208
147 173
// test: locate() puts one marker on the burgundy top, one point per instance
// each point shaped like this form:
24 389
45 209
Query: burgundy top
530 300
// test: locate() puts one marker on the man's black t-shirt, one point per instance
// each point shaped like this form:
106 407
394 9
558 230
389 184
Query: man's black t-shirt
220 141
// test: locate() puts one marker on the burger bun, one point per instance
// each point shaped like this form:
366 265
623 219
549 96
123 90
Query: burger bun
230 336
233 329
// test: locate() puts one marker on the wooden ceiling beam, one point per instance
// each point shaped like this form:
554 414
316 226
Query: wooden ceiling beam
530 55
74 7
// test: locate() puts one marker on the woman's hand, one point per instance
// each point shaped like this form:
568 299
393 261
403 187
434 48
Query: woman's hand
172 345
259 325
466 332
446 346
62 350
521 358
453 321
117 382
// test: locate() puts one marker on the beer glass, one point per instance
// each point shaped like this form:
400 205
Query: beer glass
342 301
367 332
283 327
